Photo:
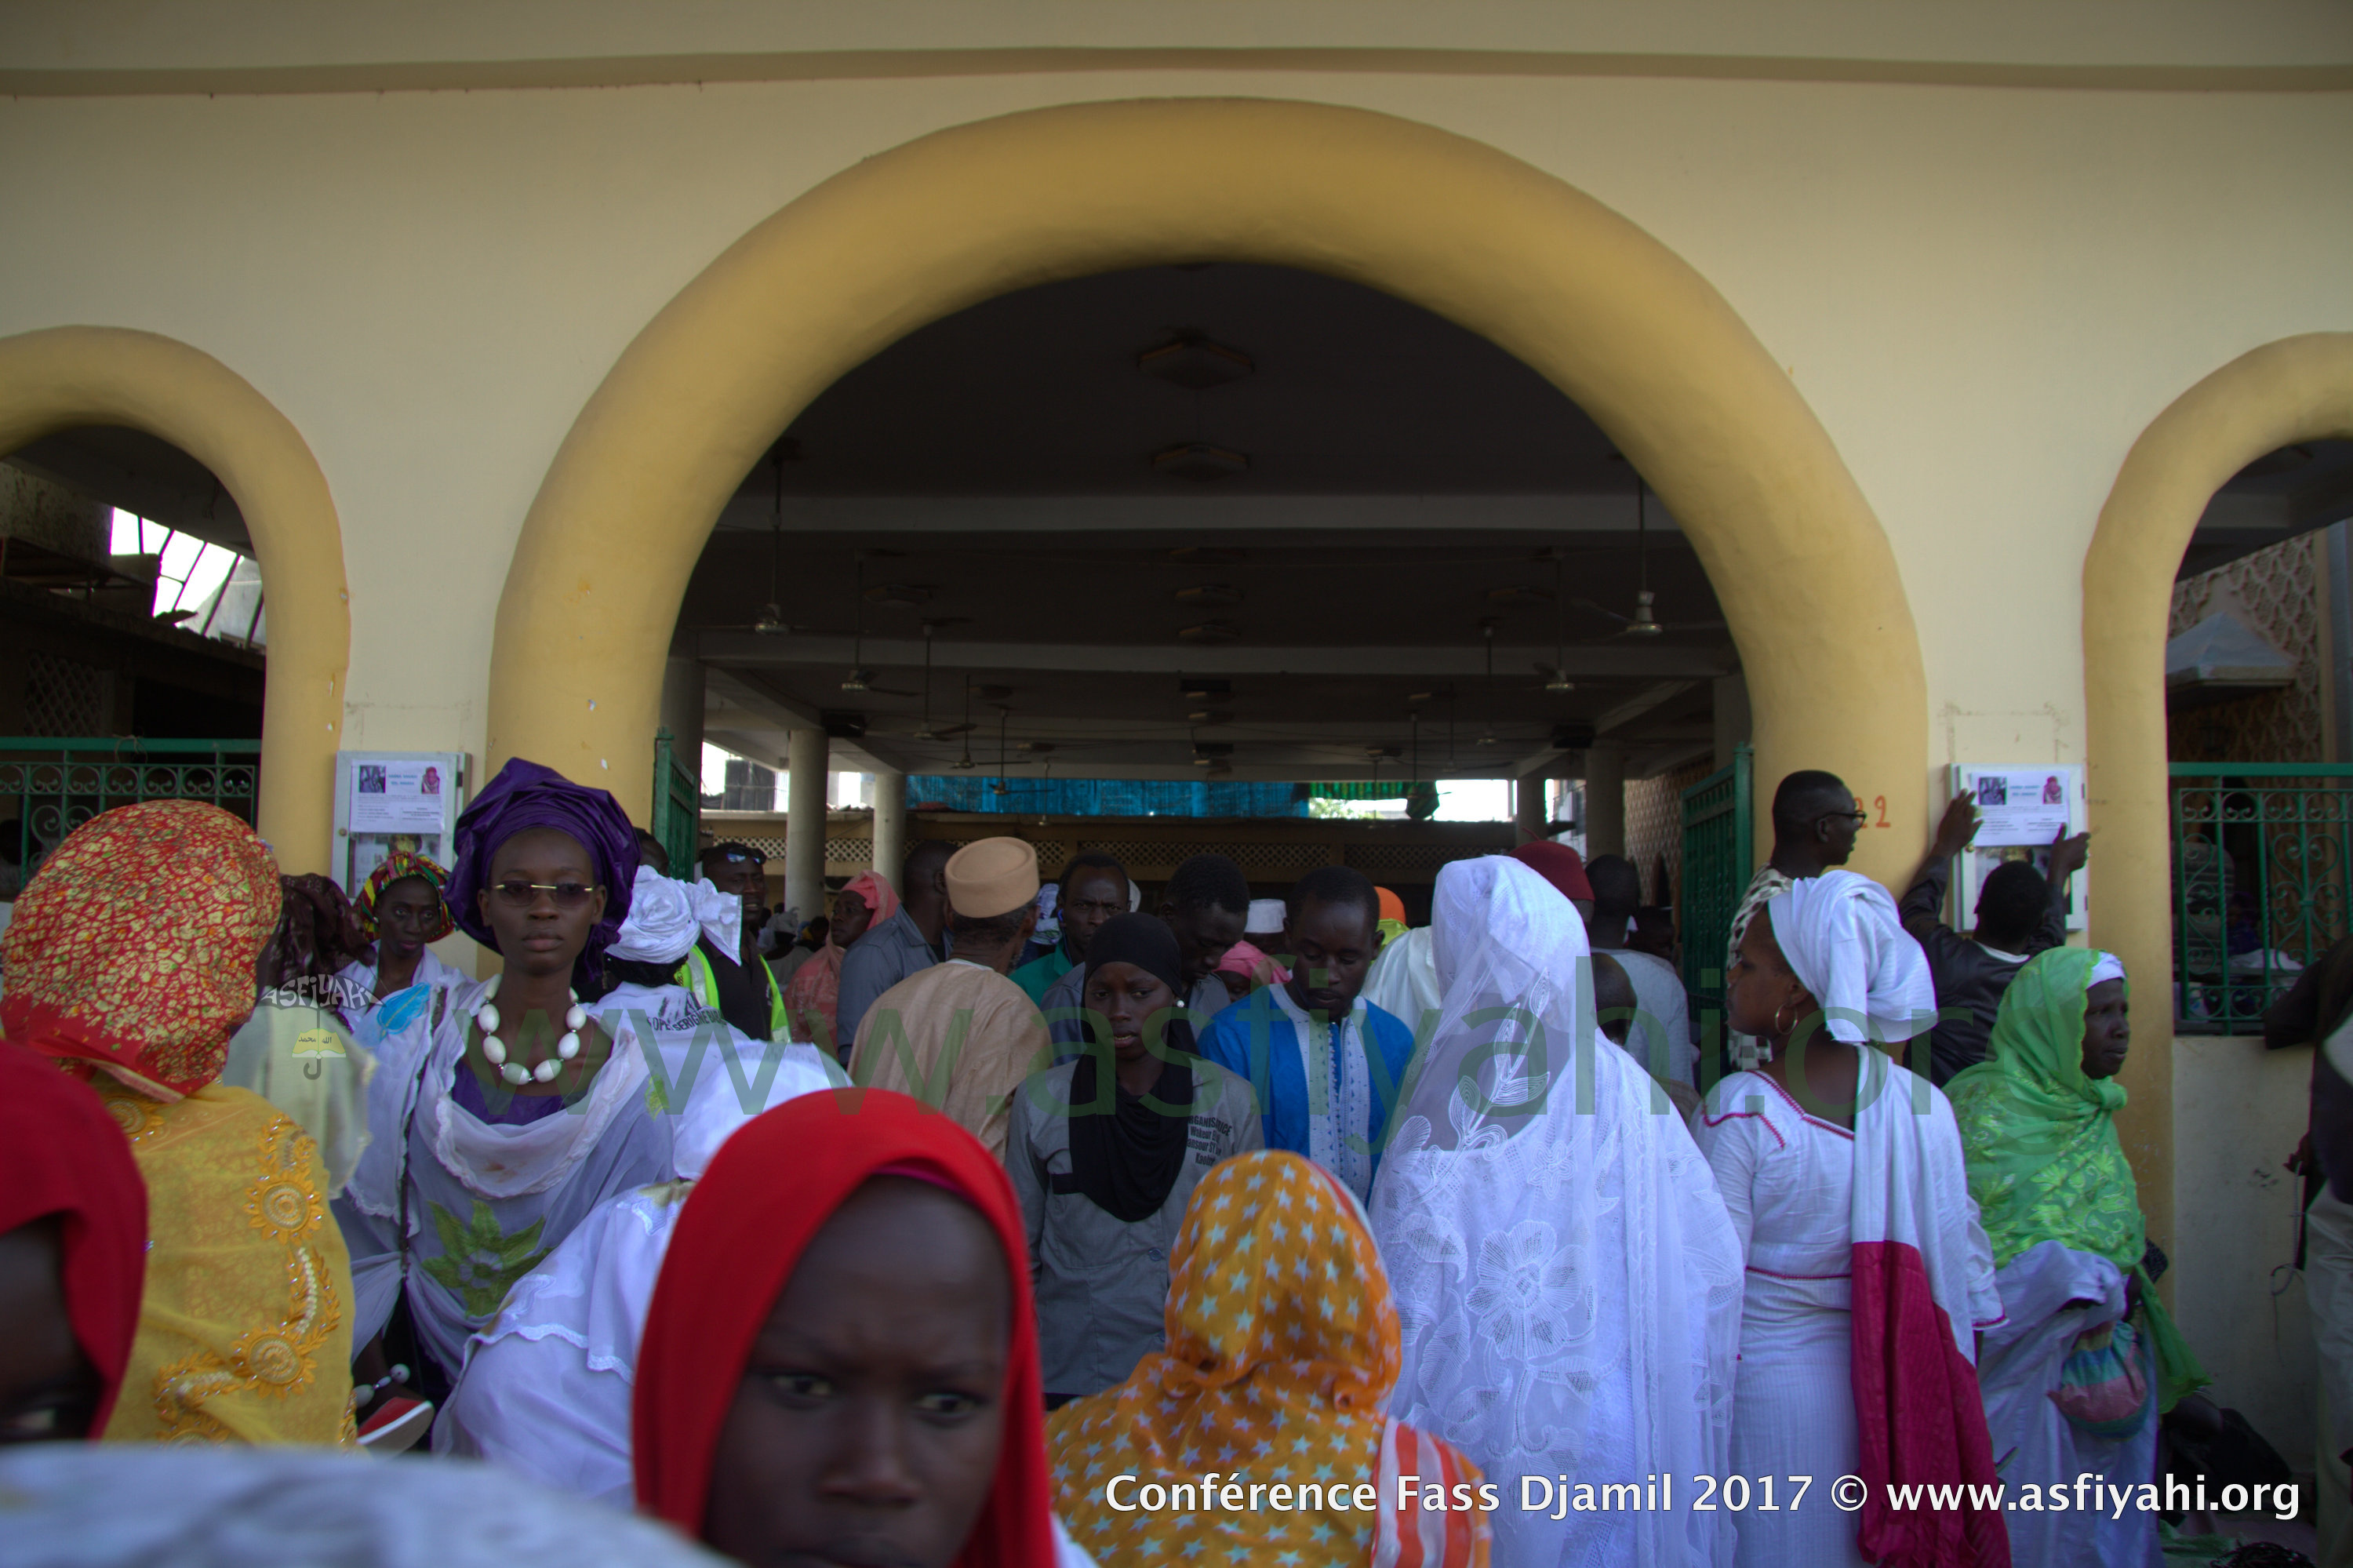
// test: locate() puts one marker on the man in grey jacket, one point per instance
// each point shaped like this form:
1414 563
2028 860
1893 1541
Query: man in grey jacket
906 944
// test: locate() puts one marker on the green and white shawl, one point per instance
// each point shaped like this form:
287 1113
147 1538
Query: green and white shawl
2040 1140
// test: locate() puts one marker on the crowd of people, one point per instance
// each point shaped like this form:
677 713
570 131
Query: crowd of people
1232 1230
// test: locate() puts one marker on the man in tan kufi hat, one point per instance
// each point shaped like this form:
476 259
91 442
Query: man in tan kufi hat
959 1035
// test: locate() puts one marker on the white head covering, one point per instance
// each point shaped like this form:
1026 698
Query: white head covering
1844 939
721 916
1568 1282
98 1504
2107 967
661 927
1266 917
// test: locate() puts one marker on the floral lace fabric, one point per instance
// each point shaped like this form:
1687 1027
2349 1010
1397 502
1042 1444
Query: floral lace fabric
1567 1283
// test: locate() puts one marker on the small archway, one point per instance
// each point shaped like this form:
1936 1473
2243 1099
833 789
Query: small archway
1615 320
60 377
2297 389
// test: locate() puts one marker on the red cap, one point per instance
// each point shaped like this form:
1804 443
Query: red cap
1558 865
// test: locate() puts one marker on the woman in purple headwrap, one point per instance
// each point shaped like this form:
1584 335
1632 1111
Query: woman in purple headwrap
476 1171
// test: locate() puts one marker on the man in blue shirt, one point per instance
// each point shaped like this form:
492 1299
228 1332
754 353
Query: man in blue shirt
1327 1067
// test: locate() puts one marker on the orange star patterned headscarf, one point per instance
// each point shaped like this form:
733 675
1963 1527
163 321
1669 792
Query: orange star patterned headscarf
1283 1348
132 950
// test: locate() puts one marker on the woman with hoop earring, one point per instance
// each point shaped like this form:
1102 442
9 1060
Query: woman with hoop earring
1867 1274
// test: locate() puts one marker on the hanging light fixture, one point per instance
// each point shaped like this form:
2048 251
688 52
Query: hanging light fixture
859 677
1487 626
964 764
771 614
924 729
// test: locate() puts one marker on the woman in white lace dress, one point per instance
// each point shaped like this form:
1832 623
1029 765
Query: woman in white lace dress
1567 1281
1867 1273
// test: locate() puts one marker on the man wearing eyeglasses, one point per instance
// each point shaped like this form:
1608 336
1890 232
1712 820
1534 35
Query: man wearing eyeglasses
739 984
1815 821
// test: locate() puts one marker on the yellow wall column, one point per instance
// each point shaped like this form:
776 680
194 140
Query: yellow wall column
2300 388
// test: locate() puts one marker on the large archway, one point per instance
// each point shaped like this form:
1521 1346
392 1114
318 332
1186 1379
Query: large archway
59 377
2297 389
1612 317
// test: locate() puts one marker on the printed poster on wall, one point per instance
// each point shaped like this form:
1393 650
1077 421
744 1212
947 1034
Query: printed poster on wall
394 796
2020 806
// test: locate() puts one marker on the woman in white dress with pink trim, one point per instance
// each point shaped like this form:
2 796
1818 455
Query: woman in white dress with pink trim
1868 1275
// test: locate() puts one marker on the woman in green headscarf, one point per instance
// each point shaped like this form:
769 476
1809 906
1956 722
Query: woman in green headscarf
2085 1359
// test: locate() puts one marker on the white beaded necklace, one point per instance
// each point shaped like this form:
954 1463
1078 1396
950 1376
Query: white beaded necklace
494 1049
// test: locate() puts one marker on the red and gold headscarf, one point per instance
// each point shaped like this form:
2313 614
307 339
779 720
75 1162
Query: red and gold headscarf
399 866
133 949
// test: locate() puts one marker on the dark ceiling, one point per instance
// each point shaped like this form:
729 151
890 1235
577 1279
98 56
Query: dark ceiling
1353 392
1409 486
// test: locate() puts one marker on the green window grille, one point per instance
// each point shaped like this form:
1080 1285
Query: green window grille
2262 881
50 786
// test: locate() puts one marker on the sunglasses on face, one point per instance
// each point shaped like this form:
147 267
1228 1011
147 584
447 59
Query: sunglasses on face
1855 817
517 894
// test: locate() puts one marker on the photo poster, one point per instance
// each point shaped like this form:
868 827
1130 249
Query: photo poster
2021 810
397 795
394 801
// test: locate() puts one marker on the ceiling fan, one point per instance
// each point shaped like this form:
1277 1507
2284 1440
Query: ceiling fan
923 731
1644 622
861 678
1555 673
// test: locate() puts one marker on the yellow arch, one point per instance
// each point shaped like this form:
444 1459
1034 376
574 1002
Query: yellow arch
1610 316
2297 389
55 379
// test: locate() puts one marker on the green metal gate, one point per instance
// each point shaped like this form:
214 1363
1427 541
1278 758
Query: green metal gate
52 785
1719 818
677 804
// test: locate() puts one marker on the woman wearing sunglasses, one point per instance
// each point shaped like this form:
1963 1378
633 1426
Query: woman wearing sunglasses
500 1122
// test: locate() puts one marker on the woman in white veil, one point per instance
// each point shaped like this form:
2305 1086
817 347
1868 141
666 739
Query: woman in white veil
1566 1278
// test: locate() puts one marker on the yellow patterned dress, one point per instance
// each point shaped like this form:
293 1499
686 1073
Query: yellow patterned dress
245 1333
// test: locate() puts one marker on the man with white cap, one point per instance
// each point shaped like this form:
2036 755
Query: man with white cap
960 1036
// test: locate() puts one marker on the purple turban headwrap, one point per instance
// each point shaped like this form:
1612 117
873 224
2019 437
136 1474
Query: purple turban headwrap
526 795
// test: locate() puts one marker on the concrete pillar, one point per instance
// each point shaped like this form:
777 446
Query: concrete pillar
1531 806
889 822
804 770
1732 716
1605 799
681 711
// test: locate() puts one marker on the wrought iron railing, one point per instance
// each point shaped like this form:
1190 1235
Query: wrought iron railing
1719 818
2262 882
50 786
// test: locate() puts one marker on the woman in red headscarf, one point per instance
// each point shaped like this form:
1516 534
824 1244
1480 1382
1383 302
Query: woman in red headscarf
840 1359
73 1236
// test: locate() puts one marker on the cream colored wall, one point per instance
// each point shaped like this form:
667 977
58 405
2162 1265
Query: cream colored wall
1984 294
